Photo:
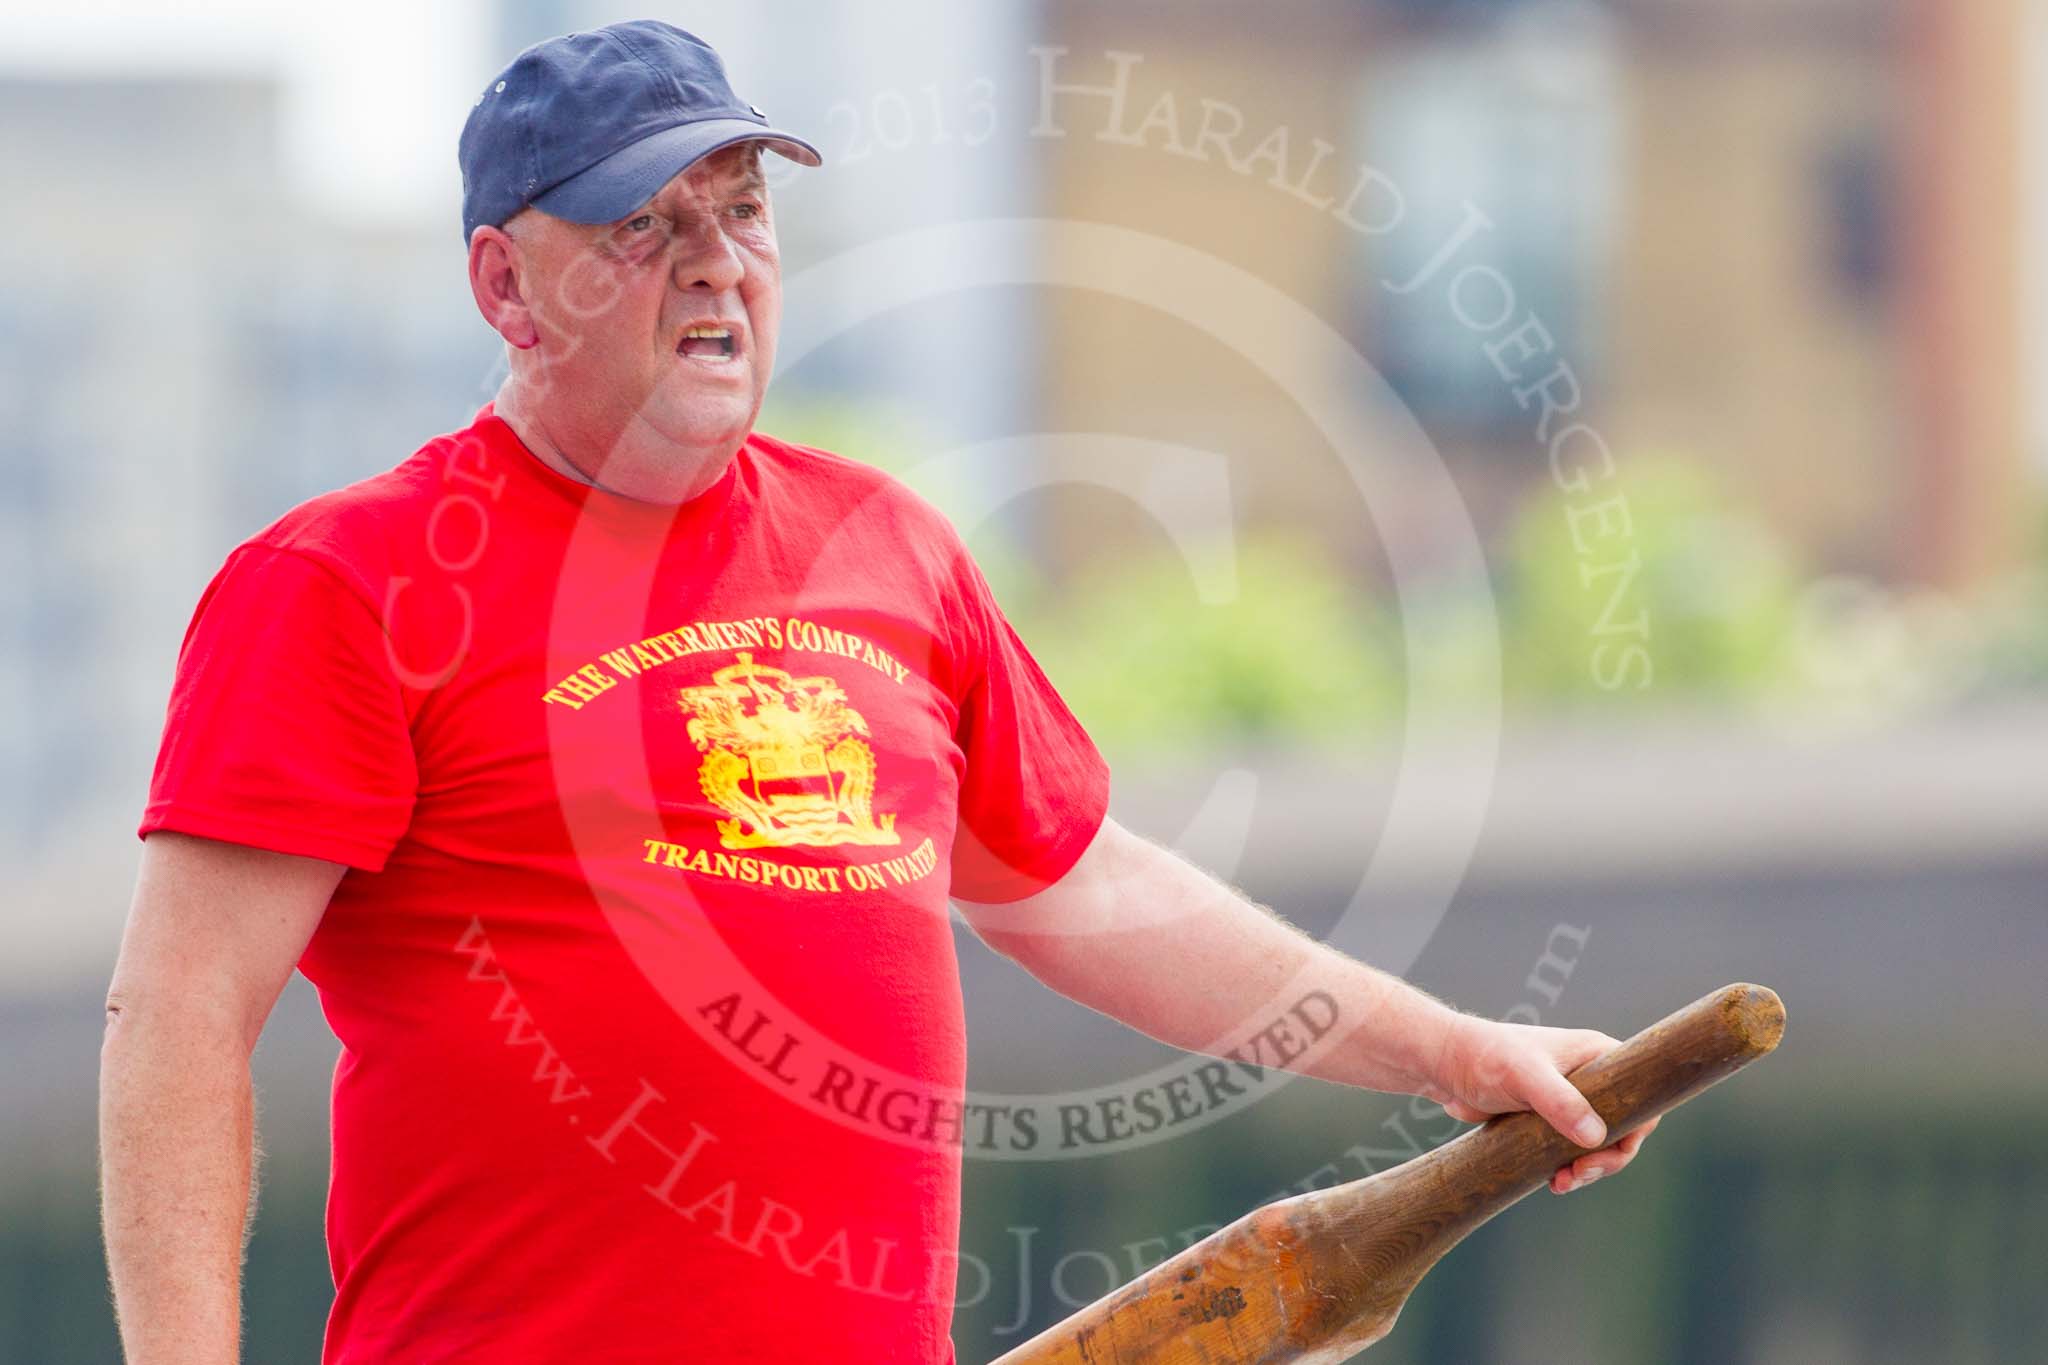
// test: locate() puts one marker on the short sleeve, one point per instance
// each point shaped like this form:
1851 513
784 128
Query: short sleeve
1036 789
287 726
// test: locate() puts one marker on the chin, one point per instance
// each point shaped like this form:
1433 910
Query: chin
715 422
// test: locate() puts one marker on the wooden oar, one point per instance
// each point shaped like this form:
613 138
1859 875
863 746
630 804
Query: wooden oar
1321 1276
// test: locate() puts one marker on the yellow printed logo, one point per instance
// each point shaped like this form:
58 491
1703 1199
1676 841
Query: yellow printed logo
783 755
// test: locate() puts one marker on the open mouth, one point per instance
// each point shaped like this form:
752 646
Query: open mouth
707 343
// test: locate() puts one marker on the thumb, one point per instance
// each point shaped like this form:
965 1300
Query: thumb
1564 1108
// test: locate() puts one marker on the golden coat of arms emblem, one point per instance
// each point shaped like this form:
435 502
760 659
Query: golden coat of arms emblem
785 757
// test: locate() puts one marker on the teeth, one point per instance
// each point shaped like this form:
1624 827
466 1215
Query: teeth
713 332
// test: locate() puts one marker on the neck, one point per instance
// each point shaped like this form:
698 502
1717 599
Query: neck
615 462
532 431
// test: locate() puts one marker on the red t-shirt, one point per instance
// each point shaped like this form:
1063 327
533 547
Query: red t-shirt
652 1042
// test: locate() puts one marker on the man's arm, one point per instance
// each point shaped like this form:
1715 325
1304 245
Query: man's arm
213 934
1146 937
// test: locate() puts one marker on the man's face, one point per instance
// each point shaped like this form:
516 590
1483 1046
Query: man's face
668 315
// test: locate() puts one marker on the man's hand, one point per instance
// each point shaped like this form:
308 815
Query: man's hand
1490 1068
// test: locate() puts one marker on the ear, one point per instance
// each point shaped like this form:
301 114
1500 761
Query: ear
494 279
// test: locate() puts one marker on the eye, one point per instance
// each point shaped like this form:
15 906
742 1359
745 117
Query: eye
747 209
640 224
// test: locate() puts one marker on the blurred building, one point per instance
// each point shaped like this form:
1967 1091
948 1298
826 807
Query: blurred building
187 353
1777 238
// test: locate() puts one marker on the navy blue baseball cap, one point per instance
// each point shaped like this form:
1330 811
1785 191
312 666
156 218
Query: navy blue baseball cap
588 126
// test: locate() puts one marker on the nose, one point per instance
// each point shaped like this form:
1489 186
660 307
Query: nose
706 258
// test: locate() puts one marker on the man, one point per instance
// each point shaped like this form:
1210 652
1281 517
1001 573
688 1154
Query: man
608 766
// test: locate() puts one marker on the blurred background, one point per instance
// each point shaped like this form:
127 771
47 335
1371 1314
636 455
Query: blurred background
1723 319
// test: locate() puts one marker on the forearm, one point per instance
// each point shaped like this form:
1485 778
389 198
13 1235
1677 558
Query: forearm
176 1151
1202 968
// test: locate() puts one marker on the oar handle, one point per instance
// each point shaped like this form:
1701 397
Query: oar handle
1657 1070
1313 1279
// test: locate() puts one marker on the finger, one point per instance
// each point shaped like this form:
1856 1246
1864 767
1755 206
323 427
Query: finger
1584 1172
1604 1162
1576 1177
1625 1148
1597 1165
1609 1160
1632 1142
1465 1113
1563 1107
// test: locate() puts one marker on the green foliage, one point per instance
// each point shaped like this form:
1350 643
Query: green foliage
1297 652
2015 655
1705 590
1662 559
1305 655
873 433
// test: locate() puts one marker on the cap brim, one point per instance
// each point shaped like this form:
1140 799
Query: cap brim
630 176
